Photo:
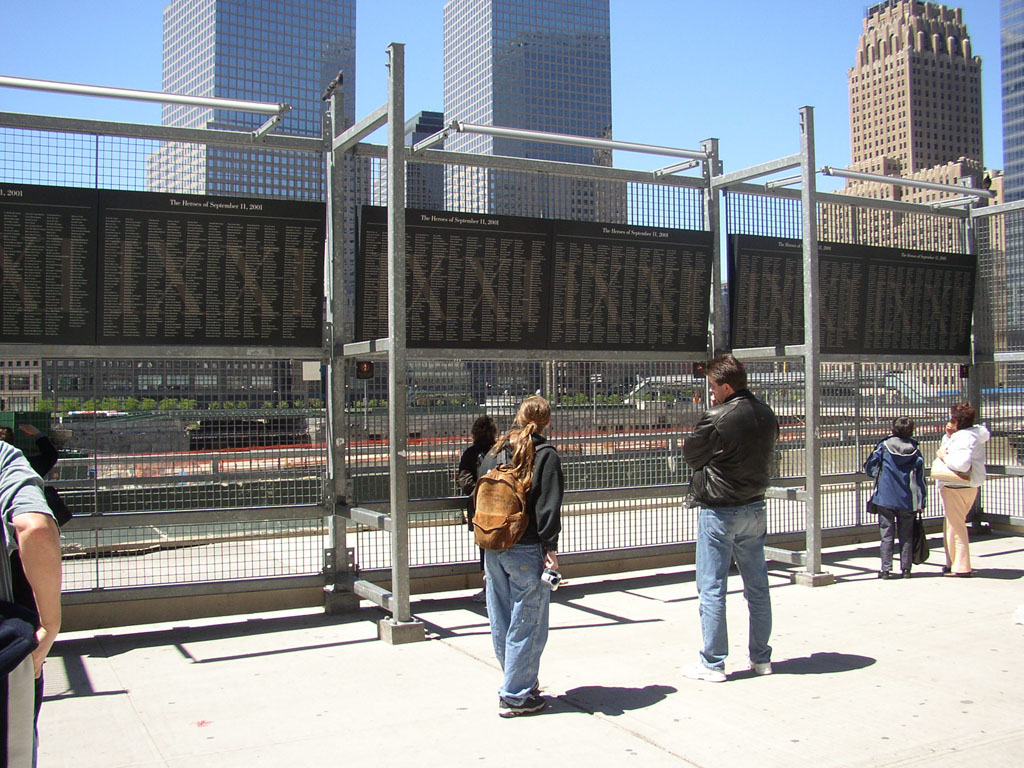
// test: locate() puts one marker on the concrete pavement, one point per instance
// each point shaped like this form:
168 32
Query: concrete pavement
925 671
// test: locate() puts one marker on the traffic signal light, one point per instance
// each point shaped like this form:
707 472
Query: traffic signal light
364 369
700 370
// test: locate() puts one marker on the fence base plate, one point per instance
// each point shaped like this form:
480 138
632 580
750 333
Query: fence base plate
806 579
338 601
400 632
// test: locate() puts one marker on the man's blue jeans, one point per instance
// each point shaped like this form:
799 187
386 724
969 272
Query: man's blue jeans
723 534
517 604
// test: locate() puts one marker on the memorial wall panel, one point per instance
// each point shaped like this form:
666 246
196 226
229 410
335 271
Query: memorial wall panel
113 267
47 265
872 300
482 281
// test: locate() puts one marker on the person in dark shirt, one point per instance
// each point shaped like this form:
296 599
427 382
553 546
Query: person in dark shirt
484 432
730 451
898 468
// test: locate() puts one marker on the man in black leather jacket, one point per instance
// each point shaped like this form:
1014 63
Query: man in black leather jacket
730 452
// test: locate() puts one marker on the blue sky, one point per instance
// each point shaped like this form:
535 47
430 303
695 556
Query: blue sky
682 70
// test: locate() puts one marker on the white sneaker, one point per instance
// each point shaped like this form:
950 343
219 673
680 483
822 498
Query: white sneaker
701 672
761 669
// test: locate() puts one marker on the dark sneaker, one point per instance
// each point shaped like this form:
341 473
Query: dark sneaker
534 703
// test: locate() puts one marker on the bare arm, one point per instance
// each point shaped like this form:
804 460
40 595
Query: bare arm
39 546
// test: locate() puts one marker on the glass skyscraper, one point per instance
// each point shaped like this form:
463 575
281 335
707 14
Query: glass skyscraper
542 65
260 50
1012 32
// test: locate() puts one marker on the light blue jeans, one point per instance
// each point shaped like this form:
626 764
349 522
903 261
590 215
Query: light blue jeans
517 605
723 534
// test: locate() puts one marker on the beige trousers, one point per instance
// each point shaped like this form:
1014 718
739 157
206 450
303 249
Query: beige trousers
957 502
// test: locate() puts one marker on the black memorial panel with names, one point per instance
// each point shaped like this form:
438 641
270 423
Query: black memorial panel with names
472 280
618 286
47 264
191 269
482 281
872 300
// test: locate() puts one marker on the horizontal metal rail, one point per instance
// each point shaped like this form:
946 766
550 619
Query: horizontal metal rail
376 348
111 520
375 594
900 181
992 210
578 141
756 171
352 136
554 167
189 589
545 354
367 517
131 94
896 206
785 556
175 352
223 138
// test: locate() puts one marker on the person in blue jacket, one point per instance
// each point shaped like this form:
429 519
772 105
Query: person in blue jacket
898 468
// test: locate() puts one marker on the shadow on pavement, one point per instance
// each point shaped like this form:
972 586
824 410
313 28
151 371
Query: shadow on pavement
816 664
613 700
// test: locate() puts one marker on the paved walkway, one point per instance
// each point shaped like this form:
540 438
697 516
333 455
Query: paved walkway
868 673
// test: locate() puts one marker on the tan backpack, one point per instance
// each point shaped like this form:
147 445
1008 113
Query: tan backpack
500 518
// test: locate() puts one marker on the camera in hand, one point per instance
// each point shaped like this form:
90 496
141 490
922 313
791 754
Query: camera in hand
552 578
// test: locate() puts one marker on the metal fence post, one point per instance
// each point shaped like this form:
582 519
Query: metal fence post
337 561
713 223
813 575
399 628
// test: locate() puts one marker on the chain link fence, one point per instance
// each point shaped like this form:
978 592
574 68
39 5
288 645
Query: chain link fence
194 469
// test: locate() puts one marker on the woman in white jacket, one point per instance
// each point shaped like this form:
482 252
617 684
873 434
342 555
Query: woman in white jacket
963 451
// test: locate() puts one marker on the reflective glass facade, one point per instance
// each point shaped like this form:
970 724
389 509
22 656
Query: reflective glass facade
1012 28
424 182
260 50
1012 33
540 65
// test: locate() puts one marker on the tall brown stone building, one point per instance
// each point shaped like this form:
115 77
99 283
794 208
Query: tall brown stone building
915 112
915 99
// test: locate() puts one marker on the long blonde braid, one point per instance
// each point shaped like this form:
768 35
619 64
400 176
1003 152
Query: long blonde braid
533 418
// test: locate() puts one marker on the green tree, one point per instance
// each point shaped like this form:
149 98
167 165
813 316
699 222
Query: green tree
131 404
147 404
44 405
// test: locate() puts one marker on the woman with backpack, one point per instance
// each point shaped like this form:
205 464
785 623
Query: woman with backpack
517 598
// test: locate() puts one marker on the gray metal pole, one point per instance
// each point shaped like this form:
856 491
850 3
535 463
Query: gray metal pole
812 344
336 599
397 373
974 381
712 223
